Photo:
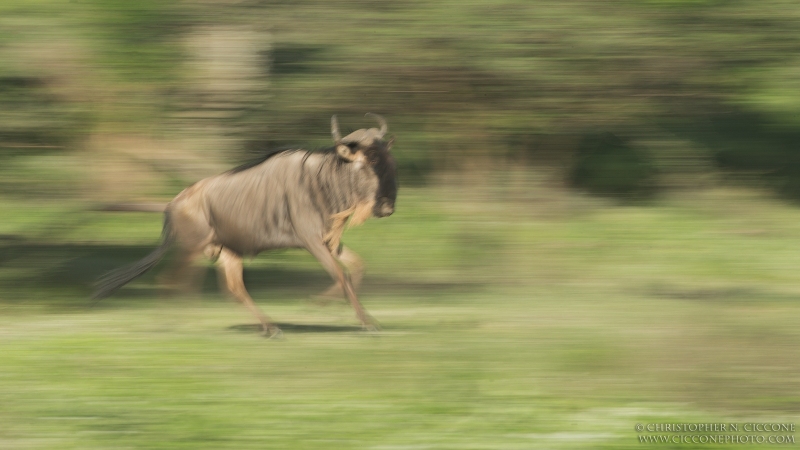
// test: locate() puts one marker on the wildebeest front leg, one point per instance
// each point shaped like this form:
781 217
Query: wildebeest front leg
231 269
355 267
331 265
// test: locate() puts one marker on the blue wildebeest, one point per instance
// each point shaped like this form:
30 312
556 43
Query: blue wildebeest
288 199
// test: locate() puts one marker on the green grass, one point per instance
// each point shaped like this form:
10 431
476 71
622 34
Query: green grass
508 324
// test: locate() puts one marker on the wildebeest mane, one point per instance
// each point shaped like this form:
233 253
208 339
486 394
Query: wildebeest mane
263 157
277 151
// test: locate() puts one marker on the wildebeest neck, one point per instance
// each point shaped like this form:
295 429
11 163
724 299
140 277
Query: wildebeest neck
340 184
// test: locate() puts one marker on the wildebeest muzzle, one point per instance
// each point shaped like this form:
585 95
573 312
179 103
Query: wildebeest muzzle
384 207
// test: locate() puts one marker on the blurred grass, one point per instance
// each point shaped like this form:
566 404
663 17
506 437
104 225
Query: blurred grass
557 323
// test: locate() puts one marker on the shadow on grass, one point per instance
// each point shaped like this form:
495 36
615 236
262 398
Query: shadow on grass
62 274
718 294
297 328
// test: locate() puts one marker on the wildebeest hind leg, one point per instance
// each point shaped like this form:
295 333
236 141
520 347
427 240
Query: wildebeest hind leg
183 275
355 267
230 268
331 265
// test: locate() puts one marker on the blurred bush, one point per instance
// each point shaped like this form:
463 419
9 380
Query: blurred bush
35 120
607 165
458 81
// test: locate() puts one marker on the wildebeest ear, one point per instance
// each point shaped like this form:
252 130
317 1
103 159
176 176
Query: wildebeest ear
390 143
345 153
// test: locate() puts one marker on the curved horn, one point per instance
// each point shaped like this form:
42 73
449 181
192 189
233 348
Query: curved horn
381 122
335 129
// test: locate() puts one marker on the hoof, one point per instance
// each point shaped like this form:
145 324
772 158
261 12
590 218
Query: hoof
372 325
274 333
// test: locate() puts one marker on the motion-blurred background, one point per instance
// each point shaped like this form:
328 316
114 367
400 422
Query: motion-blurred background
127 99
597 222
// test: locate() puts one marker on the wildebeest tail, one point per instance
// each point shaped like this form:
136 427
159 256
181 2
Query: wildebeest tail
110 282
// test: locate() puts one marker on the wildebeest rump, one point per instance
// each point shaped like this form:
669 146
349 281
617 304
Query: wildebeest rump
289 199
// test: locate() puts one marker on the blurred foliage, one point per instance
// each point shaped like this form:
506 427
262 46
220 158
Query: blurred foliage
137 40
605 164
33 119
457 80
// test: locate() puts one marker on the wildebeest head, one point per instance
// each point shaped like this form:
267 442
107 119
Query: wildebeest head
367 147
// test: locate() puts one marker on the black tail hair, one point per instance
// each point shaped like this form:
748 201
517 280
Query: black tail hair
110 282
